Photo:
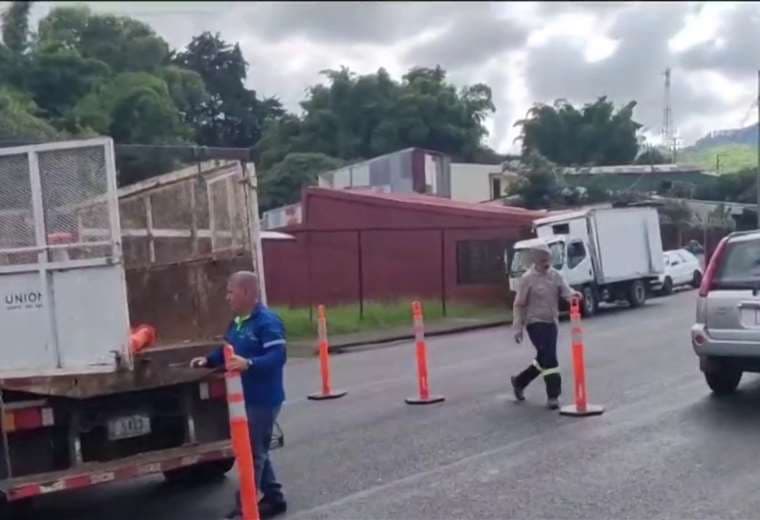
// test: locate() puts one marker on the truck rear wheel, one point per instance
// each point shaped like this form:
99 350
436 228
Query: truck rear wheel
205 472
16 510
590 304
637 293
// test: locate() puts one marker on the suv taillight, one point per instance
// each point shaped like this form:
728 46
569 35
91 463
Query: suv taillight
712 267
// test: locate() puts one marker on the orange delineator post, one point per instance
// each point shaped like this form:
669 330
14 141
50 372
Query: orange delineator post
241 440
422 368
324 361
581 407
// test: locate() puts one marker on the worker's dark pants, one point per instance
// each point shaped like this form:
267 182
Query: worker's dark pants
544 338
261 425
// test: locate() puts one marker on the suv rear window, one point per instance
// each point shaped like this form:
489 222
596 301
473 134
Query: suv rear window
741 265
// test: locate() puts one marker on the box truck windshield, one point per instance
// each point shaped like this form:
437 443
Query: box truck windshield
522 259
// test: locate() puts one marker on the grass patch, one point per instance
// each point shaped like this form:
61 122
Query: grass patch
733 157
344 319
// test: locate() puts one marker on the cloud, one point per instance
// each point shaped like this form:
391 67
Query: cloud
735 47
526 51
559 69
473 37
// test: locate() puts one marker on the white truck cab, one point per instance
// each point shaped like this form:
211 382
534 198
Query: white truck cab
607 254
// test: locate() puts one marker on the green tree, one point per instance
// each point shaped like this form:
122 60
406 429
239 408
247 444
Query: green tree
357 117
231 114
679 215
595 135
58 79
123 43
282 184
539 185
652 156
16 26
18 121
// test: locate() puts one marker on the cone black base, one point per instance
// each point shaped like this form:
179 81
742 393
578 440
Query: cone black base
430 400
335 394
573 411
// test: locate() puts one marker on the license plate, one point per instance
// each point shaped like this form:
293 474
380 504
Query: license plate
128 427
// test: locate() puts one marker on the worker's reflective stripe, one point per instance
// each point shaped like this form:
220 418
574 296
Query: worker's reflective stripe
545 372
274 343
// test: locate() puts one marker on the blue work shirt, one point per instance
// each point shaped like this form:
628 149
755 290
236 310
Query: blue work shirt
260 338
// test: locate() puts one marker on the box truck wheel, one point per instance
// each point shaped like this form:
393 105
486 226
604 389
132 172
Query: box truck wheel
590 303
205 472
637 293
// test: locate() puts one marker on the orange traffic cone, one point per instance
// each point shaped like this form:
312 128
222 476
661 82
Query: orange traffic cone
581 408
422 368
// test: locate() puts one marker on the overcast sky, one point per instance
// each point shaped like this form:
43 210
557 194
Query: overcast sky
526 52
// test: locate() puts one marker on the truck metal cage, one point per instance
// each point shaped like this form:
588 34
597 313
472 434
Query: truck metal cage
59 286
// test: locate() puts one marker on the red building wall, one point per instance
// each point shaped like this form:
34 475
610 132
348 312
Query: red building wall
407 250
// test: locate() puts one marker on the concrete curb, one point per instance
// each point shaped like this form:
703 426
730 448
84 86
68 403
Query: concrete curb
341 348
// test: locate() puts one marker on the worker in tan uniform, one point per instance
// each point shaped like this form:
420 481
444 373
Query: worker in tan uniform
536 310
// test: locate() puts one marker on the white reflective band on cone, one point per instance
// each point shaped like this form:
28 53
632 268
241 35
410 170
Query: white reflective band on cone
237 410
234 385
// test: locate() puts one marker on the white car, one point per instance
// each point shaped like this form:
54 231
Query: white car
681 268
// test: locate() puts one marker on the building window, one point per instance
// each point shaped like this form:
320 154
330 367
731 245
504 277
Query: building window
495 188
480 261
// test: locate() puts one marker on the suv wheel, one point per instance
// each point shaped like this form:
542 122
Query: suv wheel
696 279
667 287
723 380
637 293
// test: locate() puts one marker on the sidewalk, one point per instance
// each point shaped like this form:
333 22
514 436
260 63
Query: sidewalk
347 342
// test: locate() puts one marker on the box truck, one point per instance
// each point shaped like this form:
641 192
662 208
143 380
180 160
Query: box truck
607 254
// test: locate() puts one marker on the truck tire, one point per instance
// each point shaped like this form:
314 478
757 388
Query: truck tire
637 293
205 472
17 510
590 304
723 380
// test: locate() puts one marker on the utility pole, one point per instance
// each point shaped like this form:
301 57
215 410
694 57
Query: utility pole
667 129
757 173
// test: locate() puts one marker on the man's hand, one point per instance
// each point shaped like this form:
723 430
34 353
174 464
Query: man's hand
518 336
199 362
237 364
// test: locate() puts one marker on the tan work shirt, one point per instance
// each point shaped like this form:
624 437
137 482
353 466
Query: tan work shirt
537 299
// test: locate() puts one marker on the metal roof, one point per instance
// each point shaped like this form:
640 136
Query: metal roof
427 202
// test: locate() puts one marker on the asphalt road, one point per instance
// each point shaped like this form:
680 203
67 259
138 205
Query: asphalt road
663 449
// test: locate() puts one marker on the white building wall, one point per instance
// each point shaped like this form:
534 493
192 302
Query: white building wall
472 182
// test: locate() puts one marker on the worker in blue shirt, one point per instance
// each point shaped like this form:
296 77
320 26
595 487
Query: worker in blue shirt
258 338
